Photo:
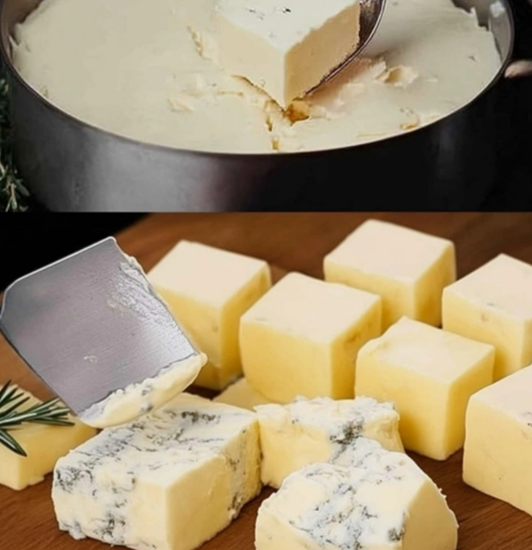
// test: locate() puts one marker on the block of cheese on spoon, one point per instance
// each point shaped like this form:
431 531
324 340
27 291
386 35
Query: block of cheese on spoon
286 47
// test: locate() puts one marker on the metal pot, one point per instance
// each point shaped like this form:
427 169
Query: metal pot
72 166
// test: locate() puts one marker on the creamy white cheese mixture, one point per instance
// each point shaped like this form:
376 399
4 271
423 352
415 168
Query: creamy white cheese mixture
146 69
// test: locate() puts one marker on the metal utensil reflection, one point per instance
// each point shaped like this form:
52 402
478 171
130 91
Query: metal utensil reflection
371 12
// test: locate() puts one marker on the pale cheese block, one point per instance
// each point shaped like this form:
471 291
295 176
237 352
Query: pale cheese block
407 268
498 445
429 374
43 445
382 501
493 304
285 48
207 290
171 480
320 430
302 337
241 394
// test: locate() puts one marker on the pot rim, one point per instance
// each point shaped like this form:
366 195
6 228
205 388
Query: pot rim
5 51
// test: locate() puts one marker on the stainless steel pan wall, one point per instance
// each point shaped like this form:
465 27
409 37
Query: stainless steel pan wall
71 166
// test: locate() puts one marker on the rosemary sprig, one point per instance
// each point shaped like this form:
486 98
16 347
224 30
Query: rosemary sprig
11 416
13 194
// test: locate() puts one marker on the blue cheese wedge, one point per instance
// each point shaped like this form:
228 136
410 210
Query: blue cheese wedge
171 480
383 501
320 430
285 48
126 404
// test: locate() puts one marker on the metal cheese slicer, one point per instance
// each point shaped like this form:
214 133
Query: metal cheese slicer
91 324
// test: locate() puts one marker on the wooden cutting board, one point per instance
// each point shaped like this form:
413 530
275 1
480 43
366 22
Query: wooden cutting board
292 242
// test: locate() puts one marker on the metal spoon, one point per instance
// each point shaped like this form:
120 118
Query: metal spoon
370 17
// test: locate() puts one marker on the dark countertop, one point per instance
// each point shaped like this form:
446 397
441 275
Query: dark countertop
37 239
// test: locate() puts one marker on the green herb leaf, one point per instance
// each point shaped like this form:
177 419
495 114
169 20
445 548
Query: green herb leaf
13 194
49 412
11 443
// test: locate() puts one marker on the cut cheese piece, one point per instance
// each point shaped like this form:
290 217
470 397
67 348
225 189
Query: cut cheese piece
429 375
407 268
127 404
382 502
301 338
498 445
241 394
43 445
285 48
171 480
320 430
493 304
207 290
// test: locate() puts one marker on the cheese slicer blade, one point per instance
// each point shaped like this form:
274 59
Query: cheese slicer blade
91 324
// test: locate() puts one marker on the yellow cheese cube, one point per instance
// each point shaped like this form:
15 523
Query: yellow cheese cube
498 445
207 290
44 445
493 304
429 375
302 337
407 268
241 394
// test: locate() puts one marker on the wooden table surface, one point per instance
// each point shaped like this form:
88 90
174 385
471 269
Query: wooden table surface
292 242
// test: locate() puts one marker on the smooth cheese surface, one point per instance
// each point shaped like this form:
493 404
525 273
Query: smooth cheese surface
208 289
498 443
428 58
381 501
43 445
407 268
171 480
140 398
493 304
429 375
320 430
204 272
241 394
284 48
301 338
